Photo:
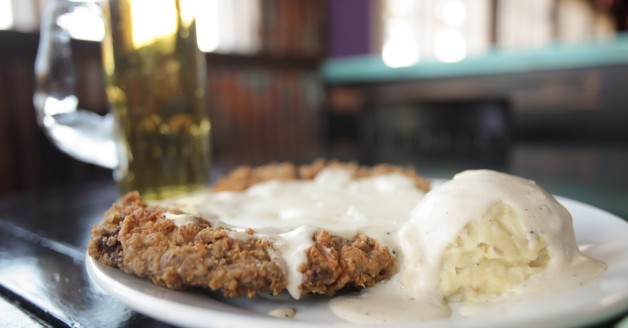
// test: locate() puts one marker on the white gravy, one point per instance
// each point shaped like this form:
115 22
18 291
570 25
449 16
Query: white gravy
392 210
290 212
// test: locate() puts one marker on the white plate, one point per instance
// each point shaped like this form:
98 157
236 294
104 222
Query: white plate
600 234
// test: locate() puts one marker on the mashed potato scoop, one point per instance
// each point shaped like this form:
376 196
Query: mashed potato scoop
485 234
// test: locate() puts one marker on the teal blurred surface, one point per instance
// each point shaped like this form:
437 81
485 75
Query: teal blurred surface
371 68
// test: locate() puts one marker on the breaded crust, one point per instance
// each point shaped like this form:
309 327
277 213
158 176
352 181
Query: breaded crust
245 176
138 239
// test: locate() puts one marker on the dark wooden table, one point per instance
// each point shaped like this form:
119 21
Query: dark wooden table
43 235
43 281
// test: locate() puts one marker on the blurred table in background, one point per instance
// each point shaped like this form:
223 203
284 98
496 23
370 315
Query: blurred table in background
593 173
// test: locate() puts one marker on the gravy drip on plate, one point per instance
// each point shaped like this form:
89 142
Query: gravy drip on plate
392 210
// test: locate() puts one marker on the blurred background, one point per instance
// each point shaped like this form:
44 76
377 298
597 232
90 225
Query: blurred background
537 88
